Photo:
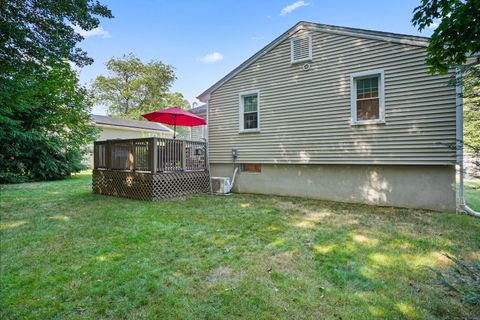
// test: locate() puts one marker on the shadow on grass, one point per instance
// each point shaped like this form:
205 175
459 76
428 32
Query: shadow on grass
244 256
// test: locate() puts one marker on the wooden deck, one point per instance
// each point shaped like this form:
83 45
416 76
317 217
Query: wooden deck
150 168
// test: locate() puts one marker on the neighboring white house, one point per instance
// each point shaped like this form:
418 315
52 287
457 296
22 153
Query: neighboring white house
118 128
199 133
339 114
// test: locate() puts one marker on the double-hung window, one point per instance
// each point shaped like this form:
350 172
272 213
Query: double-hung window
250 111
367 97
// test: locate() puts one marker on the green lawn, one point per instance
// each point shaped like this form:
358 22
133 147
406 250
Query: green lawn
472 194
69 254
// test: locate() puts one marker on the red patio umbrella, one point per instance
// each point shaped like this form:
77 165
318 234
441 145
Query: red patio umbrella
175 116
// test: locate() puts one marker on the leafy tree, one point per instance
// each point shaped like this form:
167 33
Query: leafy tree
458 32
44 114
45 125
471 97
454 40
134 88
41 31
176 99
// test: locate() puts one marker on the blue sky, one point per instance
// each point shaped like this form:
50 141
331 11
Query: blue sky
204 40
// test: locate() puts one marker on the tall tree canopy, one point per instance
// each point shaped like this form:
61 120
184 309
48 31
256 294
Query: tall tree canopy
472 109
44 114
44 124
457 34
455 39
134 88
41 31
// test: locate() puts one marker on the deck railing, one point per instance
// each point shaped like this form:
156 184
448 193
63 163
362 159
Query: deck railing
150 155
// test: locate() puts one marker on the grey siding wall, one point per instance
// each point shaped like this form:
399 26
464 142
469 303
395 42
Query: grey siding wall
305 115
197 133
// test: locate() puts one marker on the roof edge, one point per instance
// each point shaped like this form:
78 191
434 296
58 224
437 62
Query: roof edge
166 130
100 122
305 25
365 32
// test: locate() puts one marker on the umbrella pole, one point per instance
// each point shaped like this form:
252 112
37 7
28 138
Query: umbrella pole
174 126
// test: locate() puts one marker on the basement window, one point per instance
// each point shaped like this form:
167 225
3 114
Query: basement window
367 97
251 167
301 48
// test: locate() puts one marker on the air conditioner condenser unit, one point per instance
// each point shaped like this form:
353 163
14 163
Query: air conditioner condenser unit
221 185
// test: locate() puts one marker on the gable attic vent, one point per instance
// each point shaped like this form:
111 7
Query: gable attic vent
301 48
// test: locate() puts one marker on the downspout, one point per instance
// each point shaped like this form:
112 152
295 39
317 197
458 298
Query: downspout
459 138
230 187
208 158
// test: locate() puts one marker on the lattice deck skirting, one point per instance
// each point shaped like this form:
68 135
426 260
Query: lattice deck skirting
148 186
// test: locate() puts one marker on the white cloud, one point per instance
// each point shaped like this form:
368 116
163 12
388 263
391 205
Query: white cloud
92 33
211 57
293 6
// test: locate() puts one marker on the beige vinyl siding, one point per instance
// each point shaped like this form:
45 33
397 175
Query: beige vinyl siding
197 133
305 116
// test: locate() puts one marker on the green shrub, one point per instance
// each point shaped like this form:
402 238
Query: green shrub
44 124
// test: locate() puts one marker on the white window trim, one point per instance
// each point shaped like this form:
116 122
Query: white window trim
292 60
353 96
241 119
